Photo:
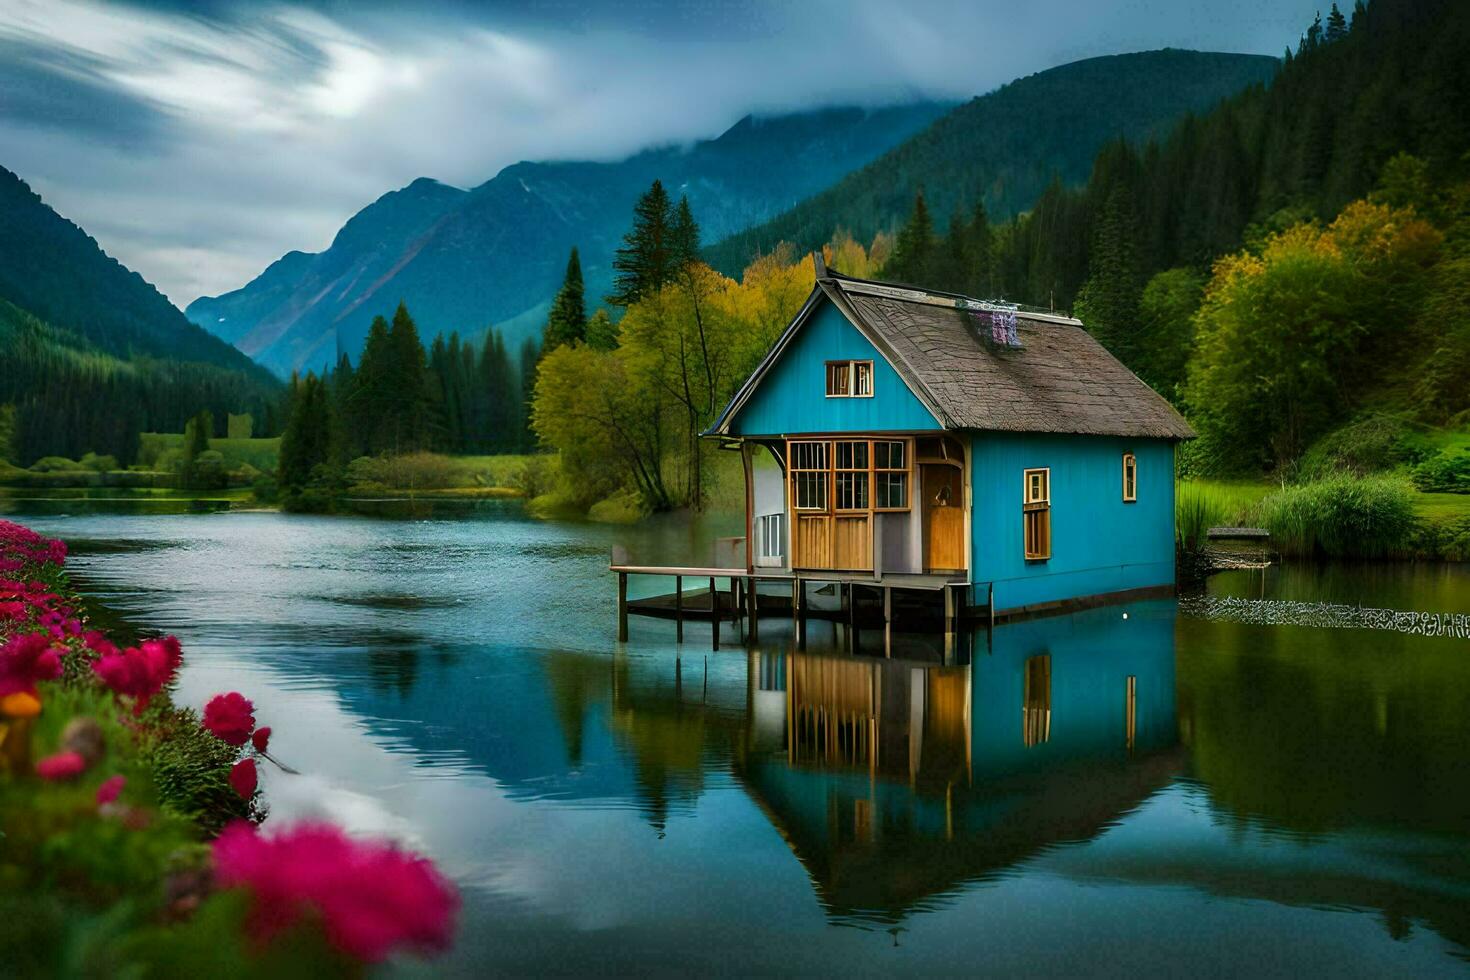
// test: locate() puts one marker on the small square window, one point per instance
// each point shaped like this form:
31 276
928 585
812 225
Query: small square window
849 379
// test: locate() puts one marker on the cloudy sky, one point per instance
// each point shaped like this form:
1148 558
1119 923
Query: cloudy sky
199 141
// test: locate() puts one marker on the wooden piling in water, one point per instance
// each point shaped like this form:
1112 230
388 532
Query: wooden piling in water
753 610
622 607
887 622
678 609
714 608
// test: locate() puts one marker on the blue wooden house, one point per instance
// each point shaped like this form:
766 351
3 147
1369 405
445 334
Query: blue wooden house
911 438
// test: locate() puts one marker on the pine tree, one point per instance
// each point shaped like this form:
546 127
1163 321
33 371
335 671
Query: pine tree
980 274
502 394
952 263
367 419
408 394
1337 26
684 235
913 253
307 441
530 355
1108 301
444 394
645 260
567 321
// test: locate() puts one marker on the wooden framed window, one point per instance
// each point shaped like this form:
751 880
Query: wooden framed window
772 536
849 379
1036 513
1130 478
811 464
851 474
891 475
861 475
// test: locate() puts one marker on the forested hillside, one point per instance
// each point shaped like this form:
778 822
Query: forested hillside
1004 148
56 271
464 260
62 396
91 354
1290 262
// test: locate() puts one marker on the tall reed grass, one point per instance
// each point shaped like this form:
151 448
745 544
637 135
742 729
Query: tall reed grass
1343 517
1201 505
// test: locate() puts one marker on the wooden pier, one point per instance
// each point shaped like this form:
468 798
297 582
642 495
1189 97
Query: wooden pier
863 600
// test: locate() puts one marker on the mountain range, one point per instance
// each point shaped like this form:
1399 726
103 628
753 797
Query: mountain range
493 255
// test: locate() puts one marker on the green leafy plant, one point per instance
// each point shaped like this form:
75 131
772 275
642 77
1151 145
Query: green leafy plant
1343 517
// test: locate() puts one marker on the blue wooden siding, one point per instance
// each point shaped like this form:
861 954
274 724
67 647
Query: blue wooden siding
1093 653
792 397
1098 542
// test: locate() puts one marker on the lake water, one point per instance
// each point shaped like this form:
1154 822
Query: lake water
1269 780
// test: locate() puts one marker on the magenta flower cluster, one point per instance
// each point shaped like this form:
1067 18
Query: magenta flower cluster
370 898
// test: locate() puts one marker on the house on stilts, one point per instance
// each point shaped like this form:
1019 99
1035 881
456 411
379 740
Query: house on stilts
903 439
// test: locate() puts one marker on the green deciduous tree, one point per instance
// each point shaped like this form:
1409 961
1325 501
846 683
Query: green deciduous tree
1292 337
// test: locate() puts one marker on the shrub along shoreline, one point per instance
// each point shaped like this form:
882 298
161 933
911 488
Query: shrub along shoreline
1338 516
130 837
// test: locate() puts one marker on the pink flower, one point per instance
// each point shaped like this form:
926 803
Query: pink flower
372 897
61 767
99 644
243 778
262 738
139 672
26 659
230 717
110 789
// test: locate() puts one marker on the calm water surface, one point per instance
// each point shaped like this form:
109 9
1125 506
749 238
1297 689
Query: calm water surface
1190 789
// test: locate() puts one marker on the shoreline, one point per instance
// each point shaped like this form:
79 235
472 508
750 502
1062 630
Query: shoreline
117 802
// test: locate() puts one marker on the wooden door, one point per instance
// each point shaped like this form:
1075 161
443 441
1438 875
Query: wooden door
944 518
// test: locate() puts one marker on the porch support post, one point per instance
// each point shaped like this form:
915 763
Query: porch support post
622 607
714 610
679 608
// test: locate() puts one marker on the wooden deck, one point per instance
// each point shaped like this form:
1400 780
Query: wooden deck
743 601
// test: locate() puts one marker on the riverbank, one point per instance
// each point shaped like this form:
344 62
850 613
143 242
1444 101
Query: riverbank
129 840
1373 517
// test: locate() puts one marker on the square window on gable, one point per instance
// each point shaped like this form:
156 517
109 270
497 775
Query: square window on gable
849 379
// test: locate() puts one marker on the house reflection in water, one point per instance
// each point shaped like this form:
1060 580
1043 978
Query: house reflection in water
895 782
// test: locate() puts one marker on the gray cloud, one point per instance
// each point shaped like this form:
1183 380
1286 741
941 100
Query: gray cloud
198 143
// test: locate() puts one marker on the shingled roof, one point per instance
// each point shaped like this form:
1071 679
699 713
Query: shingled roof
1059 380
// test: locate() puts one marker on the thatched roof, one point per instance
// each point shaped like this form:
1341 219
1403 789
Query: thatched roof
1059 380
